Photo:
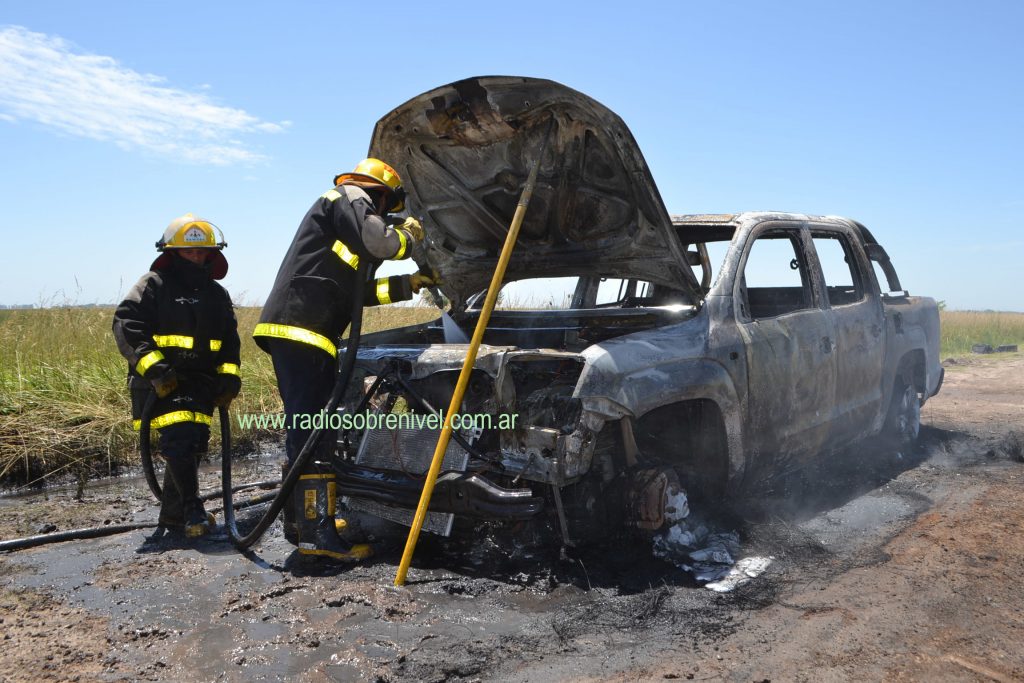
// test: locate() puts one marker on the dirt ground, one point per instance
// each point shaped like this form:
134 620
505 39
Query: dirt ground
886 566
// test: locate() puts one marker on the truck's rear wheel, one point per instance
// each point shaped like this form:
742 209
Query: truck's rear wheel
903 422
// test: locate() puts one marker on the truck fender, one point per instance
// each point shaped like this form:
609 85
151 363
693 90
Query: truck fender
640 392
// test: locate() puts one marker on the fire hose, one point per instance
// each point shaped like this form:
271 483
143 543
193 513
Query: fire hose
110 529
146 455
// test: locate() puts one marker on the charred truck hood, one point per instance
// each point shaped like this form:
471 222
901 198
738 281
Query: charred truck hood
464 151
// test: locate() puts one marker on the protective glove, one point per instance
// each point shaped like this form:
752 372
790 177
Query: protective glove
228 386
414 228
419 280
165 383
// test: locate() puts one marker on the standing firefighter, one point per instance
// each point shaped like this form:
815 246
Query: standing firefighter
307 311
178 331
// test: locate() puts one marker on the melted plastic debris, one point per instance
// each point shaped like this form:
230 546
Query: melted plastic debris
745 570
714 560
690 545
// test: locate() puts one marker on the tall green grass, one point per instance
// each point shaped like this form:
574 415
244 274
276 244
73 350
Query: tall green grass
64 404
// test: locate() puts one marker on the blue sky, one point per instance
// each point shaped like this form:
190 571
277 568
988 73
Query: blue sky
115 117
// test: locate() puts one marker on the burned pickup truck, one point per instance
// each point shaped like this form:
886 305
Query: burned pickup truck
801 343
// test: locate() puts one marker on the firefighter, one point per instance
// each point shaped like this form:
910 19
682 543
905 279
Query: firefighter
177 329
309 308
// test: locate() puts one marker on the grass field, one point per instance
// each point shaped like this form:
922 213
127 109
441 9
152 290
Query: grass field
963 329
64 406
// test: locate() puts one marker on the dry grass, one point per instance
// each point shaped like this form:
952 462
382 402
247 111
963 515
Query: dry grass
64 406
62 401
963 329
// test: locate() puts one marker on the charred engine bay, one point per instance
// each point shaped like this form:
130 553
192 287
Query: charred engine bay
538 392
495 470
525 382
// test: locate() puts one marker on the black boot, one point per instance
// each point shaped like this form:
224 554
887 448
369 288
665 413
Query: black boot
172 515
172 511
211 520
313 504
186 480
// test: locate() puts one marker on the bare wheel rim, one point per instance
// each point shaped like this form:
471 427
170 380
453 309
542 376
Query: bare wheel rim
908 422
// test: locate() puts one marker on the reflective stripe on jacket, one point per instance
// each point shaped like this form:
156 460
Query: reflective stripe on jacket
174 418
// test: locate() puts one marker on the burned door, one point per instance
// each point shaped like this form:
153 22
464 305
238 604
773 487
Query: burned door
859 321
789 337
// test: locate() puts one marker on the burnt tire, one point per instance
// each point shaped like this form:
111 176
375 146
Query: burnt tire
903 421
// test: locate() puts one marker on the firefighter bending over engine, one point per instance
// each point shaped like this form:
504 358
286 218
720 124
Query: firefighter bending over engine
306 313
177 330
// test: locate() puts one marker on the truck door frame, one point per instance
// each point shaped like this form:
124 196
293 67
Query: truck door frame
791 368
859 340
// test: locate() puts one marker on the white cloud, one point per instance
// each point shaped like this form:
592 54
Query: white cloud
43 79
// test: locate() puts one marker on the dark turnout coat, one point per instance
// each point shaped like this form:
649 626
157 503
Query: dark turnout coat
311 301
177 318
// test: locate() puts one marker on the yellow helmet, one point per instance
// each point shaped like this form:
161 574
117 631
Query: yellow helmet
189 232
376 172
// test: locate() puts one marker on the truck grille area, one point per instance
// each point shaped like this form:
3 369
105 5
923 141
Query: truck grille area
408 451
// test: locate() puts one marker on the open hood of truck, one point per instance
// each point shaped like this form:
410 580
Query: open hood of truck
464 151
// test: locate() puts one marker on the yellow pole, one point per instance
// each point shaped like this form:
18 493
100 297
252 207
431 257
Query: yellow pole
467 367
